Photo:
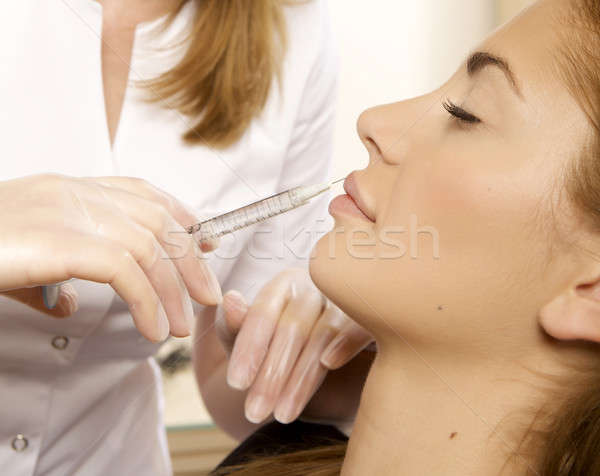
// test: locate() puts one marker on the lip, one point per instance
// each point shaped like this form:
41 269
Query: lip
351 189
353 200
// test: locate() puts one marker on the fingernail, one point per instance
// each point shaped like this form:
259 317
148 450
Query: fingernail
162 322
68 301
285 413
237 376
330 357
233 301
257 410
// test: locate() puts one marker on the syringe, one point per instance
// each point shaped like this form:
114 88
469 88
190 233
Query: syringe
258 211
231 221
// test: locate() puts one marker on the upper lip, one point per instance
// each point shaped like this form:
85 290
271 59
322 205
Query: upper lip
352 190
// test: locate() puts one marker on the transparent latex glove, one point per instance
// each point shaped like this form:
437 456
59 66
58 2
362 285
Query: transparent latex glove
116 230
284 344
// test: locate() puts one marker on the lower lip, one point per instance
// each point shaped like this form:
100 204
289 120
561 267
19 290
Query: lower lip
344 205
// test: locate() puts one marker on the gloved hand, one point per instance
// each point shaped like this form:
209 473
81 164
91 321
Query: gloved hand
283 345
116 230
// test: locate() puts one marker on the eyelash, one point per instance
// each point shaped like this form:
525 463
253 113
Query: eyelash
459 113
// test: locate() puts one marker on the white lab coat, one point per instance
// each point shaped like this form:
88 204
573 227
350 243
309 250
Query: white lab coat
82 395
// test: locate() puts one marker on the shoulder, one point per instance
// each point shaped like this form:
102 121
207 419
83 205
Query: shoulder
310 16
309 34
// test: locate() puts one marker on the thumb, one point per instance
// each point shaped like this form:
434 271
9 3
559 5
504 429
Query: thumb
66 305
229 322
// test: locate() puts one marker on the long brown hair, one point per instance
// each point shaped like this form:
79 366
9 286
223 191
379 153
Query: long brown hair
571 445
234 52
568 443
319 461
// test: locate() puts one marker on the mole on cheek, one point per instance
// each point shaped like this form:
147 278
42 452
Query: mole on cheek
452 435
440 308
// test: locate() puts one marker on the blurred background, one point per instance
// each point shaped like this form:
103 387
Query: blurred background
389 51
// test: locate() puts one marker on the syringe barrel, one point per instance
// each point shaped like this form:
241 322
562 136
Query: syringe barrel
250 214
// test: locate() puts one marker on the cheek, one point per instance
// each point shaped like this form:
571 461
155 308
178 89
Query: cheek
470 197
485 214
487 257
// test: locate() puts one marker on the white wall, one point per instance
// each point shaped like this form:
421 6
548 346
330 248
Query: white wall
396 49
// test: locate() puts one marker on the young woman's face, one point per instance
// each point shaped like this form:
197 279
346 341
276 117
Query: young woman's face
462 210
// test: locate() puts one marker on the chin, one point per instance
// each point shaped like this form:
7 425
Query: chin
375 292
322 267
338 277
327 266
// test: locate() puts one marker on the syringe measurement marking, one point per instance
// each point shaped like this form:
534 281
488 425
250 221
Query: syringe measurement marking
259 211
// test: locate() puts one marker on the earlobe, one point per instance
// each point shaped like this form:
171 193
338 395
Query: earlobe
574 314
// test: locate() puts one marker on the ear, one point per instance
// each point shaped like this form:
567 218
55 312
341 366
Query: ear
574 314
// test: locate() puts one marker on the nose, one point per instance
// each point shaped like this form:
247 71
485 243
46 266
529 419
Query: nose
387 131
380 130
369 131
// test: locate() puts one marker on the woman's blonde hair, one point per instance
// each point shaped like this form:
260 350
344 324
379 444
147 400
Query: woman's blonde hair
235 49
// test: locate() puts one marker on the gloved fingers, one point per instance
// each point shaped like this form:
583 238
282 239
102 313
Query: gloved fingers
253 340
152 258
93 258
229 321
65 306
273 374
179 211
179 245
75 232
309 373
291 335
183 214
351 340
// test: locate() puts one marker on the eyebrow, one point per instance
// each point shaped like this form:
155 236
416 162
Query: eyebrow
481 59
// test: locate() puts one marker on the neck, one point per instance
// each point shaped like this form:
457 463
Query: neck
440 416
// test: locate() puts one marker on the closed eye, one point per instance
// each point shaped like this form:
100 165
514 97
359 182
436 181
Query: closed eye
460 113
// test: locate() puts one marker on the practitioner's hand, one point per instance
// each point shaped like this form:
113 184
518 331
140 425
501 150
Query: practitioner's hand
116 230
284 344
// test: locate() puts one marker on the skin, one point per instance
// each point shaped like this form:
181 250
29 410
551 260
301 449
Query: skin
452 387
118 30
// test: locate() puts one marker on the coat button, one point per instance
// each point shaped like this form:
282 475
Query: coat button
60 342
19 443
